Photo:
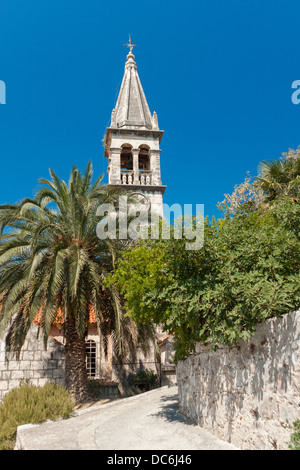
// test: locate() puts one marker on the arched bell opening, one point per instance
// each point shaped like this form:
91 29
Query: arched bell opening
145 174
126 157
126 164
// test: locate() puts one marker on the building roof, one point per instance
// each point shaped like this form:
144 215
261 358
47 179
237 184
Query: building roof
132 110
60 317
164 339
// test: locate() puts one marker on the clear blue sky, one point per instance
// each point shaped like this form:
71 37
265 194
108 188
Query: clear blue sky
218 74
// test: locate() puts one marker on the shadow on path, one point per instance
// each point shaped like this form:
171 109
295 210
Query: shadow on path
169 410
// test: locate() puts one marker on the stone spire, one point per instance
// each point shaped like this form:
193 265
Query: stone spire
132 141
132 110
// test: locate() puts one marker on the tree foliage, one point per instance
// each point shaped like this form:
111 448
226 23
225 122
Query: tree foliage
246 272
52 260
276 179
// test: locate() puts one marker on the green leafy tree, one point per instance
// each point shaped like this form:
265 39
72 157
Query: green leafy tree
51 259
247 271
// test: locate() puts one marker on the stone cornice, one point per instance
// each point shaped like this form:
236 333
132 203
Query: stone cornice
139 187
141 132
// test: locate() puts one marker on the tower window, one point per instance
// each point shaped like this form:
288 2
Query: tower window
126 158
90 350
144 159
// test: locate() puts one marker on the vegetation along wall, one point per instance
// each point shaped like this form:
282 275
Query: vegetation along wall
247 395
36 365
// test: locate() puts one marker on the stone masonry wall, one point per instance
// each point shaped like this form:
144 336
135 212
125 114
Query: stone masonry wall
36 365
248 395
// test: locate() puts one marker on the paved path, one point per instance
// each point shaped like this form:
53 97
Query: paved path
150 421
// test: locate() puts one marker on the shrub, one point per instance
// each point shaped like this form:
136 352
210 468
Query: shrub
30 404
146 379
294 443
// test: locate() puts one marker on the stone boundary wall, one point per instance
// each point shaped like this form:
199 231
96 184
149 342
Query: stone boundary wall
248 395
36 365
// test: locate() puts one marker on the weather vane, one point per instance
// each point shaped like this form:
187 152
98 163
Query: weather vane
131 46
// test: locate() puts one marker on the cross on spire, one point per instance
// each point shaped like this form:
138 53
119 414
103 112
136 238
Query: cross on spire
131 46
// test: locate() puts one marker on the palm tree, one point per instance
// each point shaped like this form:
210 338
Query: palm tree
280 178
51 259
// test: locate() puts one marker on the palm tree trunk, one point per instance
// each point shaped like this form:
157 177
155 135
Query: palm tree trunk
75 356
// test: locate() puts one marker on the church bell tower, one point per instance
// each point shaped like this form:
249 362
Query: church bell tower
132 142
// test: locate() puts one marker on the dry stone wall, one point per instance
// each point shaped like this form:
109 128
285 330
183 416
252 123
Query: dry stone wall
248 395
35 366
